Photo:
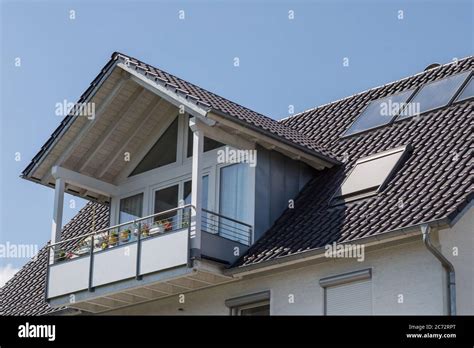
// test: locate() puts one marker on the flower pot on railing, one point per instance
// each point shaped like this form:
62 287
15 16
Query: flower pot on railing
125 235
145 230
83 247
157 227
185 221
167 225
63 255
113 239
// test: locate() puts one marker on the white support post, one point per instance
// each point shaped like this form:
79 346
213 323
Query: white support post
57 215
196 188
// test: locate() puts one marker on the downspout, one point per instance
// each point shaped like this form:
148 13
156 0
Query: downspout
426 229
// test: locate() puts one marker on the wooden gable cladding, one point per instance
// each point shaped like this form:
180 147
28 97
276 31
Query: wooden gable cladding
97 147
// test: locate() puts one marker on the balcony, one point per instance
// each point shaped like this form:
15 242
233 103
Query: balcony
145 259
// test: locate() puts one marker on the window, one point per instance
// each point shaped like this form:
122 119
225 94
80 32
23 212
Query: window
259 309
370 174
131 208
348 294
169 198
209 144
166 199
434 95
205 192
234 195
468 91
162 153
257 304
379 112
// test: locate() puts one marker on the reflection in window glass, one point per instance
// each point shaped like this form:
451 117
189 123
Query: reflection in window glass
209 144
379 112
434 95
166 199
131 208
162 153
205 193
467 92
233 199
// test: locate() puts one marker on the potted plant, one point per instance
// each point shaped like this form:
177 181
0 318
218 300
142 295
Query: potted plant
84 246
125 235
157 227
145 230
102 241
167 225
113 238
185 220
61 256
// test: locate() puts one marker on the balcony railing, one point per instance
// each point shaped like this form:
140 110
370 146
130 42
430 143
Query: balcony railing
139 249
121 234
147 227
226 227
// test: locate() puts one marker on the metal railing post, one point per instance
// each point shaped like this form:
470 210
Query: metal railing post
139 249
91 264
190 261
47 272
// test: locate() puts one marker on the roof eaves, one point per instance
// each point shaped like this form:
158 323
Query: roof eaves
306 255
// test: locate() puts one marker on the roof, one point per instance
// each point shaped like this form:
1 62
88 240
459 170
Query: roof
202 98
24 294
433 184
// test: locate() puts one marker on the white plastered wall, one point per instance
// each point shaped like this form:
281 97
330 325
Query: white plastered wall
407 269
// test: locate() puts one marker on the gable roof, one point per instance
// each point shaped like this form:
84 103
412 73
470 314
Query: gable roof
202 98
24 294
434 183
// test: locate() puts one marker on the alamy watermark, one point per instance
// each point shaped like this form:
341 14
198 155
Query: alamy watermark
66 108
230 155
348 251
11 250
37 331
390 108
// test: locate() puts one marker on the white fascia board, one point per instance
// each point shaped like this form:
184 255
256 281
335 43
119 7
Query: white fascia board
84 181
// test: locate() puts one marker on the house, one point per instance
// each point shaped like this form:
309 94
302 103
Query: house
360 206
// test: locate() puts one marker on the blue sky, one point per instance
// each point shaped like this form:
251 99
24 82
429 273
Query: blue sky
282 62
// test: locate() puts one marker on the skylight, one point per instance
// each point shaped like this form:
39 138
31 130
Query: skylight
370 175
434 95
468 91
379 112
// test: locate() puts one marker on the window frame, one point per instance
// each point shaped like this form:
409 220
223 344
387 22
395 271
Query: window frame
392 120
168 175
251 300
369 192
130 196
463 87
418 90
238 310
344 279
